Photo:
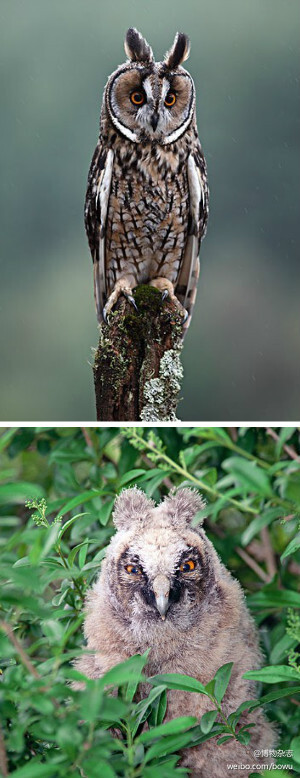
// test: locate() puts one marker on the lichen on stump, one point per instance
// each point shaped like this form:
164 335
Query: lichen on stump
137 369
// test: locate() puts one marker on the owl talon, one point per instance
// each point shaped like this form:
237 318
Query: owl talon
105 316
130 299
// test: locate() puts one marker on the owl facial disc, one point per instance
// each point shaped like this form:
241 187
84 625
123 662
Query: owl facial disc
151 101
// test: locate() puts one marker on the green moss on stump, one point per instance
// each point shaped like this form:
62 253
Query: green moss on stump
130 357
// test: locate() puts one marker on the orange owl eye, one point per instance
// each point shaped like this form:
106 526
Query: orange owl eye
186 567
133 569
137 97
170 99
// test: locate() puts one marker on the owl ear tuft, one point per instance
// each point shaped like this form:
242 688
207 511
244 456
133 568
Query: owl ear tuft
136 47
179 52
183 504
131 506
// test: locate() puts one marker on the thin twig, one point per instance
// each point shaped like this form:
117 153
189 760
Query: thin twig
290 451
87 438
139 441
251 563
268 552
3 756
16 643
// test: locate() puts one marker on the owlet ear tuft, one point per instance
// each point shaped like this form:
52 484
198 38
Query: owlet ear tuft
183 505
136 47
179 52
131 506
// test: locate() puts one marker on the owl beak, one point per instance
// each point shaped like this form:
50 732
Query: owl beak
154 120
161 588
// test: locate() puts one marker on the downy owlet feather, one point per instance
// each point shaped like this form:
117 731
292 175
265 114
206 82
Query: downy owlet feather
147 198
162 586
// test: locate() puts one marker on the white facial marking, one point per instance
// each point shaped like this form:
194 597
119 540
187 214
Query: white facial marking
125 130
148 88
165 88
180 130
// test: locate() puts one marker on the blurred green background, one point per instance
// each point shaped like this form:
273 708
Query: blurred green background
242 353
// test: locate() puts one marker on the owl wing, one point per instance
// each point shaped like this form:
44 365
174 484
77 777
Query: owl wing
186 286
95 213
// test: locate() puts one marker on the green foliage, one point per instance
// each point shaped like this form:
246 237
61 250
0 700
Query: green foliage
57 490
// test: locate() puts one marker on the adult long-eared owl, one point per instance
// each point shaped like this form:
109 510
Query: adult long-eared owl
147 196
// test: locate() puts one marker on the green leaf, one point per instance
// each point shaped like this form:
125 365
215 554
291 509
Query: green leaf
293 546
97 767
139 664
69 739
281 648
287 691
258 523
216 433
269 598
131 670
132 475
113 709
222 678
91 701
74 552
82 555
162 707
249 475
273 674
224 739
284 435
141 709
5 437
35 769
17 493
168 745
208 720
210 686
42 704
170 728
243 737
25 577
80 499
105 512
247 705
53 629
178 681
68 523
289 486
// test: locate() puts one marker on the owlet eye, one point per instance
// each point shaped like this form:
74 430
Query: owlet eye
133 569
137 97
170 99
188 566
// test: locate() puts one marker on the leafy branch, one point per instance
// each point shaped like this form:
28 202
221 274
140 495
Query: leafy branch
152 445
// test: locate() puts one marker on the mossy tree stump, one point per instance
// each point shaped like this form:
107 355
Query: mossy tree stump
137 369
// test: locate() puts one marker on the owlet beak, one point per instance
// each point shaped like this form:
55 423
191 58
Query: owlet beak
161 588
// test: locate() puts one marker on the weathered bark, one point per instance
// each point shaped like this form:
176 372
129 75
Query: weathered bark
137 369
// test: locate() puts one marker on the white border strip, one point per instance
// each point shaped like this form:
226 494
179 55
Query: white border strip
150 424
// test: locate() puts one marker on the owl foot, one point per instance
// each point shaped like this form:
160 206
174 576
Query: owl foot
167 291
122 287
